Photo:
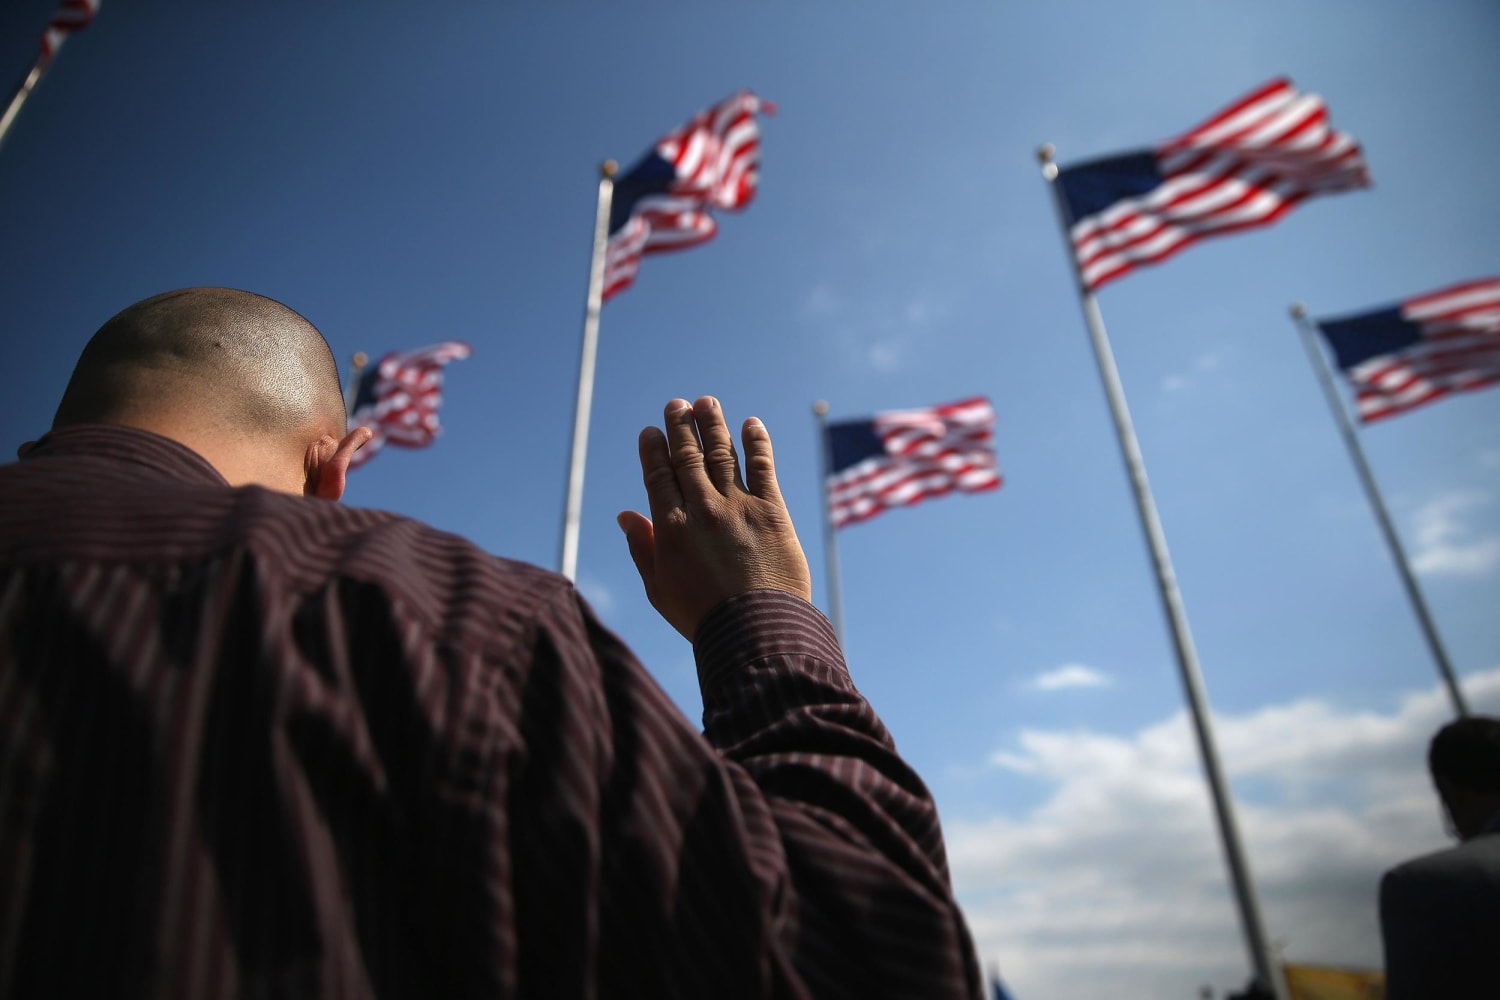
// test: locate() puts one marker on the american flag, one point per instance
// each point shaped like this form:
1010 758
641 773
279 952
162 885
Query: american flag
398 398
71 16
902 457
664 201
1244 167
1422 349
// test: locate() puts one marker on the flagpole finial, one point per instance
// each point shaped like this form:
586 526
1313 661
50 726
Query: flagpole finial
820 408
360 359
1044 153
608 168
1298 310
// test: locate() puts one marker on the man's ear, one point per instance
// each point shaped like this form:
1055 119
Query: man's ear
327 463
25 447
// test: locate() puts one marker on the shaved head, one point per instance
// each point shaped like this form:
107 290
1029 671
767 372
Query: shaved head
239 363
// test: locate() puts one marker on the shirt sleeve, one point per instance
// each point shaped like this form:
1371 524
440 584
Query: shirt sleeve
787 851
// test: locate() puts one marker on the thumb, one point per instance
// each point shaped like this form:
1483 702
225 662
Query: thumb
640 536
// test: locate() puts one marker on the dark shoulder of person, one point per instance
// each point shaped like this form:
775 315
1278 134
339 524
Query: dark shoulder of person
436 579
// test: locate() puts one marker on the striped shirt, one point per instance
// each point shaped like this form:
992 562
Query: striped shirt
257 745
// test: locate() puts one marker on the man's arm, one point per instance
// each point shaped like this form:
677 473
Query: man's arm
841 836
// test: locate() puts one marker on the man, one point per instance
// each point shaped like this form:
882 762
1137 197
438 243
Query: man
1440 914
254 743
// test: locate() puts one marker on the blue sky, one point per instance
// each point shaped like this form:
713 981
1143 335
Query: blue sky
404 175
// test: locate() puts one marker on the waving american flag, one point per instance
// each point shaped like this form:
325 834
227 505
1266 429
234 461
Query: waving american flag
71 16
1246 166
664 202
1403 356
902 457
398 397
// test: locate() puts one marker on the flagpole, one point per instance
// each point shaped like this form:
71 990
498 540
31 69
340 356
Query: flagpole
27 86
356 372
830 545
1182 640
573 507
1372 491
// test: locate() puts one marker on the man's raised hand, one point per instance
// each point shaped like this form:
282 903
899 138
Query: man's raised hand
712 533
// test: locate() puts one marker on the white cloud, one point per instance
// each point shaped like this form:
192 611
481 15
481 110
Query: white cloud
1071 675
1172 383
1115 885
1446 543
1490 458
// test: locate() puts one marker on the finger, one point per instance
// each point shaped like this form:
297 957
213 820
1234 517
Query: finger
760 462
687 453
640 538
719 459
662 494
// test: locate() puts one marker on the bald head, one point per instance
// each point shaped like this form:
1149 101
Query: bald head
239 363
239 378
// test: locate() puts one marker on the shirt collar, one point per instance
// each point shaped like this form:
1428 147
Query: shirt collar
128 444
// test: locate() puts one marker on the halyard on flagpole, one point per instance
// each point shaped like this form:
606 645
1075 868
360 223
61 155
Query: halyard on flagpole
1377 504
573 504
1251 922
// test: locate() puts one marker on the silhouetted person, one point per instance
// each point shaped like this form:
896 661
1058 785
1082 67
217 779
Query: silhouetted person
254 743
1440 914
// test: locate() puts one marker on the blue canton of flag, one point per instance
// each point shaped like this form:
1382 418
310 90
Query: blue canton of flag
1403 356
1246 166
903 457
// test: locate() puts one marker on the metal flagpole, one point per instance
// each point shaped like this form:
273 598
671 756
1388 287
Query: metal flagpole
573 507
356 372
1372 491
70 17
1182 639
25 89
830 545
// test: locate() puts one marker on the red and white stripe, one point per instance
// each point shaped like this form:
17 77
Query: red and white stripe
1459 351
929 452
717 159
408 392
1247 166
71 16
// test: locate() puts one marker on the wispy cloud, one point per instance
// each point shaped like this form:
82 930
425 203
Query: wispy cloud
820 302
876 331
597 594
1447 543
1115 886
1202 364
884 356
1071 675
